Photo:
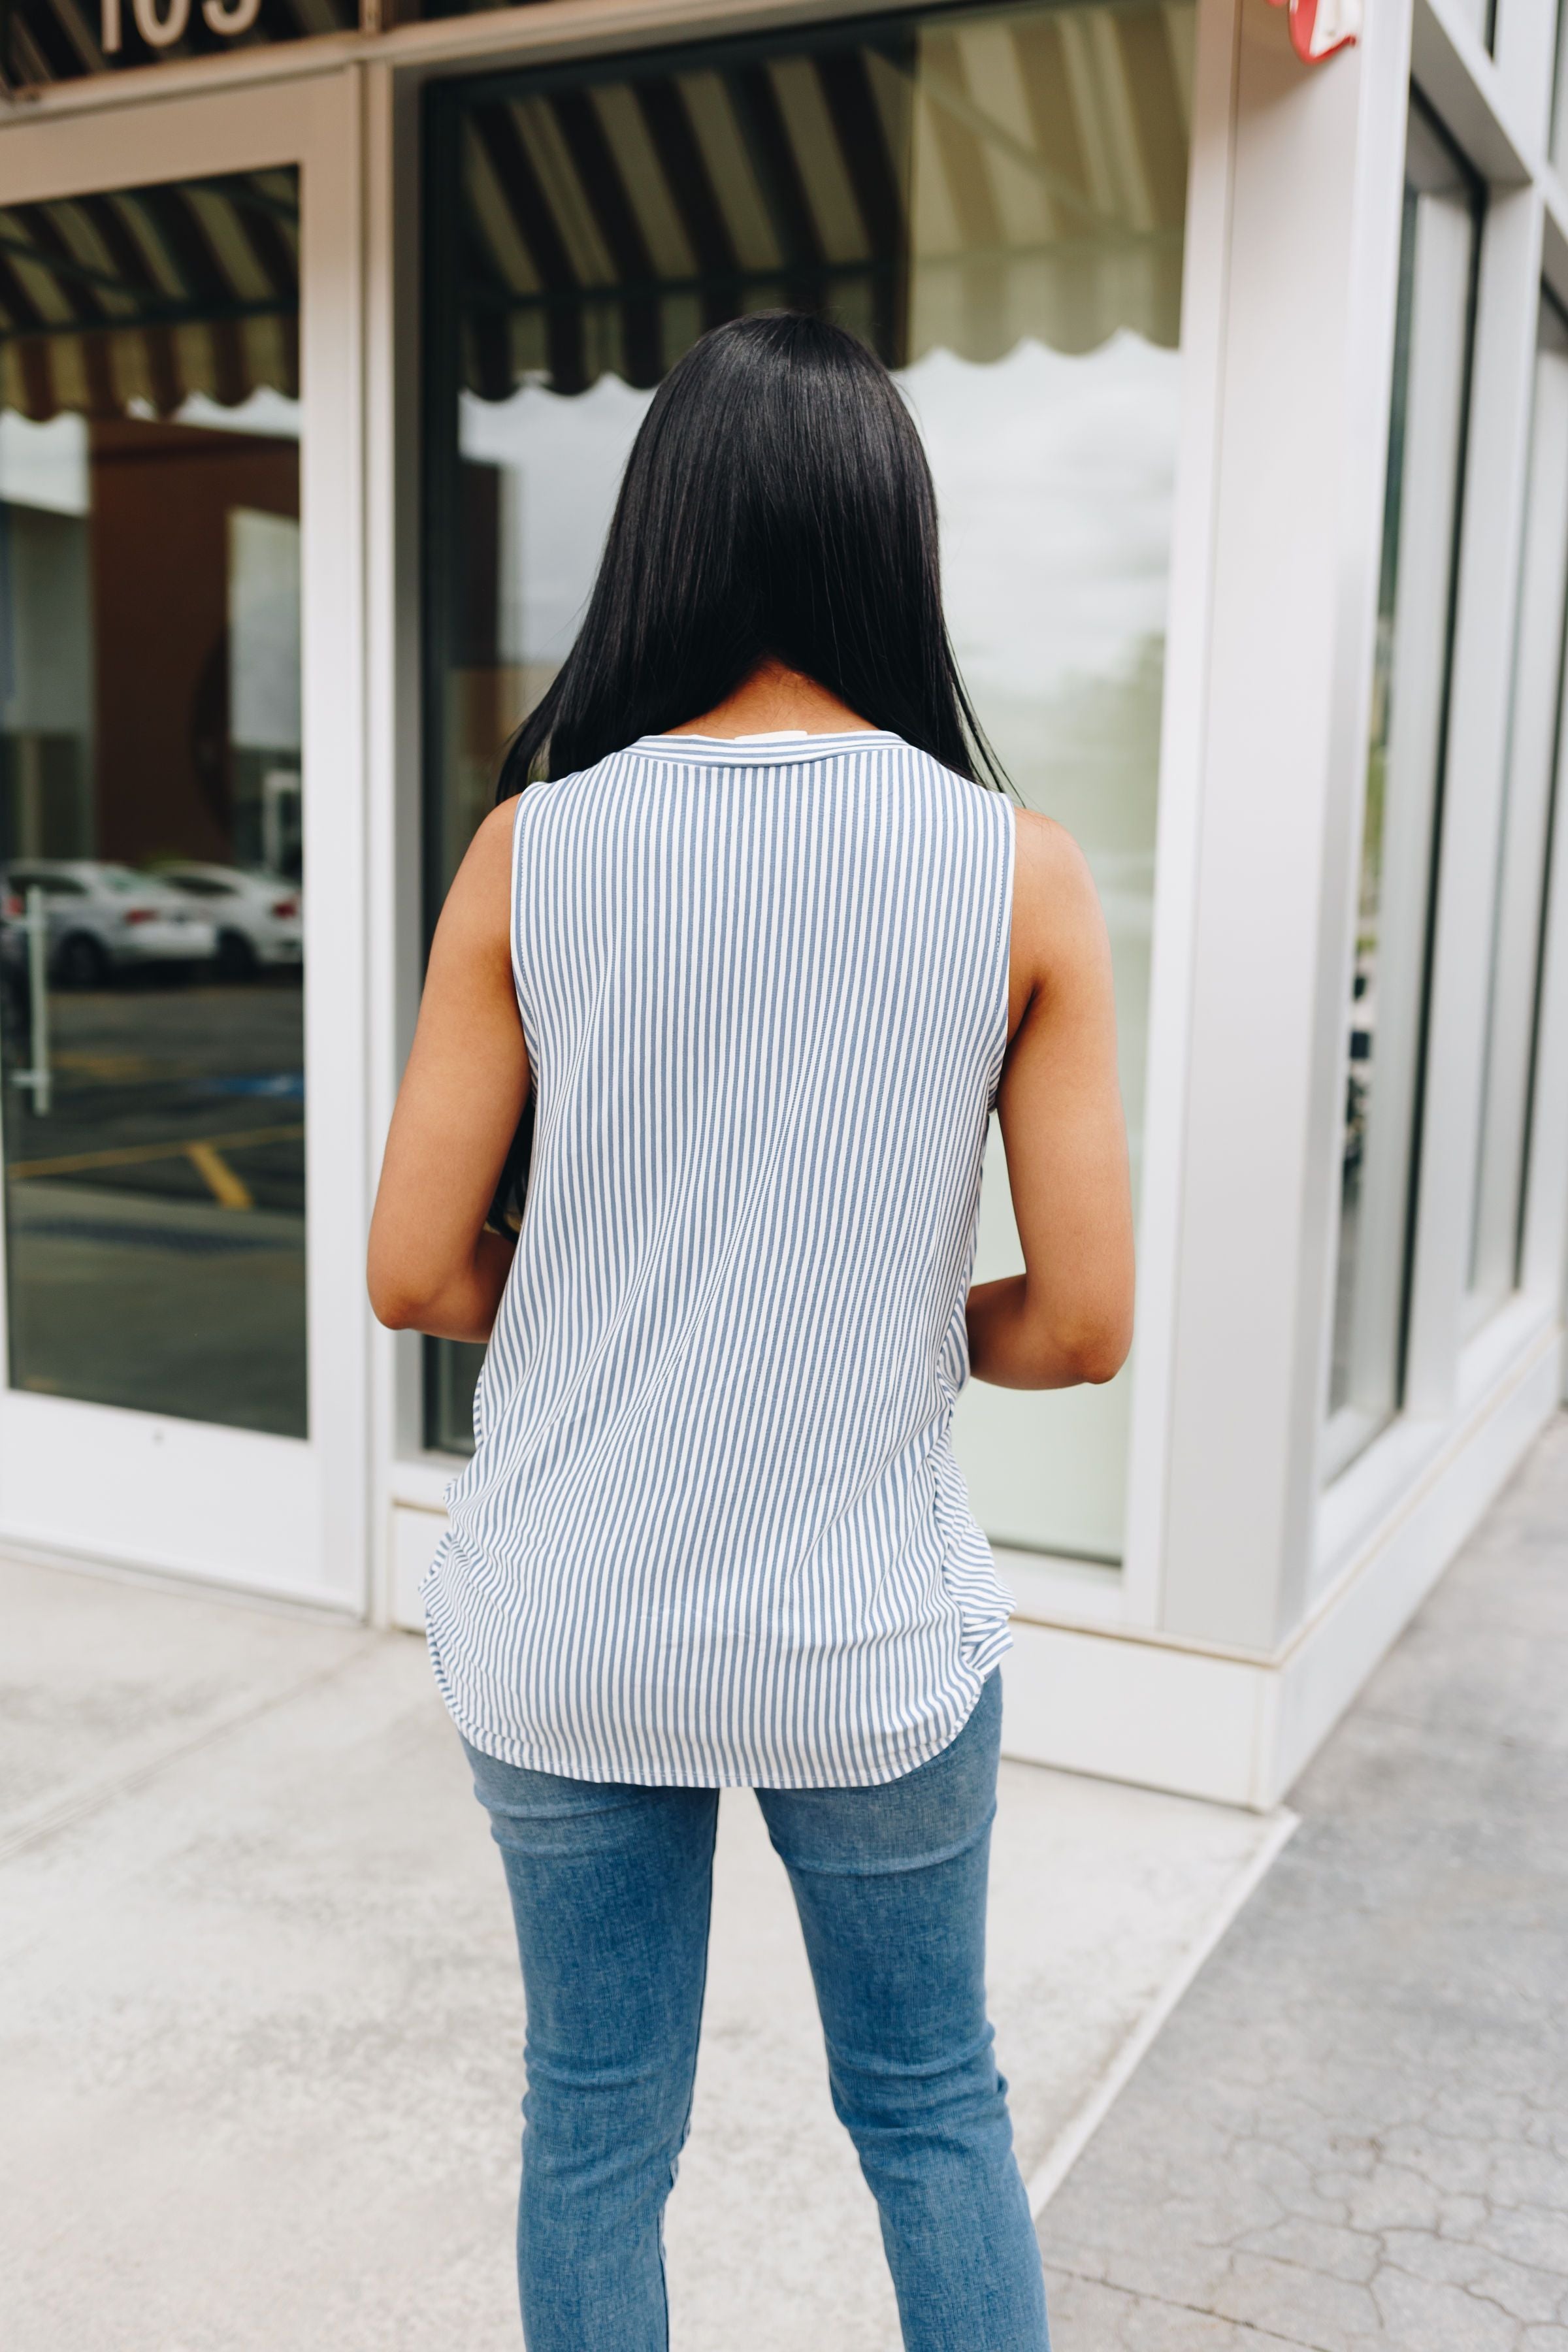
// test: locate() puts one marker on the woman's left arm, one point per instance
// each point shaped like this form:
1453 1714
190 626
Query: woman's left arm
434 1266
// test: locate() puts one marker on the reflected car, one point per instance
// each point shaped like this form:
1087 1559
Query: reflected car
257 915
12 948
1358 1083
104 918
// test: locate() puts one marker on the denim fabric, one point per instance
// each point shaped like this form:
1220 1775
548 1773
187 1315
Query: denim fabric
611 1887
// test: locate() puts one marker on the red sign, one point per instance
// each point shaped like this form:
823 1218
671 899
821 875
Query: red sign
1319 27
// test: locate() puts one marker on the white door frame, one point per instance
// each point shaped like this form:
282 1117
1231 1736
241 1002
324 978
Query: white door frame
277 1515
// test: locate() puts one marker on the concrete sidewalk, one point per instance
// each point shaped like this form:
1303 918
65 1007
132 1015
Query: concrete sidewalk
261 2033
1353 2133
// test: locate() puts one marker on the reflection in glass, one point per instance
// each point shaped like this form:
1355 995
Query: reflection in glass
996 202
150 797
1527 821
1404 784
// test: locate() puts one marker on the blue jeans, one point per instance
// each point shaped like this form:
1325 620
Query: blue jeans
610 1889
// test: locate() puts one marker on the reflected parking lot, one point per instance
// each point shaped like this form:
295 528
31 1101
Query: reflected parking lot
155 1230
151 810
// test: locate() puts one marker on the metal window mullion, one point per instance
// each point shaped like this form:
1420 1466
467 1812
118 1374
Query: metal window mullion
1487 603
1525 843
1543 1238
1430 490
1524 49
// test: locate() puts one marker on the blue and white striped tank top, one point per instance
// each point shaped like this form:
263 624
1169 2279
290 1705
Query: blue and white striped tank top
713 1533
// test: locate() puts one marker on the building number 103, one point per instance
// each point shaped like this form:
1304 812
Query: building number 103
162 23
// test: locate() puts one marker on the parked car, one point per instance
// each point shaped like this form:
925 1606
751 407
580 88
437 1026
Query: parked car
256 914
1358 1085
104 918
12 952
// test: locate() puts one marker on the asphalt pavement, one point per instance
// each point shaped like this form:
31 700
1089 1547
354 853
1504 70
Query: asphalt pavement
155 1212
1353 2131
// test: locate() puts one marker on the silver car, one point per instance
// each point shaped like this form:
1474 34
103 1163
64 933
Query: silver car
104 918
256 914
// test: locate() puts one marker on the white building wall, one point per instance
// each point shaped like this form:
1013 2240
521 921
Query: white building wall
1254 1598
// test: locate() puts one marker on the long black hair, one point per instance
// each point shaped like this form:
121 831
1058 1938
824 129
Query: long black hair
776 502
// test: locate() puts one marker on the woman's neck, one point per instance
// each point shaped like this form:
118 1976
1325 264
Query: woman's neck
772 701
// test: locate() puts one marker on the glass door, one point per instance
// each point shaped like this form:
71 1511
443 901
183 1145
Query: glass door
162 905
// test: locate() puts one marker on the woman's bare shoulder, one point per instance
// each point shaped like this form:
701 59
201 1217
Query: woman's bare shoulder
490 852
1056 907
483 880
476 919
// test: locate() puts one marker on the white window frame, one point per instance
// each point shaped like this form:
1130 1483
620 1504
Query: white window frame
283 1516
1496 113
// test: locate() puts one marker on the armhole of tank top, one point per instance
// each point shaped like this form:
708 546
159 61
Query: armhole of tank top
1009 882
514 905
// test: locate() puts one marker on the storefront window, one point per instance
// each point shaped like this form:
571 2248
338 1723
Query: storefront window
1557 135
996 202
1404 787
152 1069
1534 744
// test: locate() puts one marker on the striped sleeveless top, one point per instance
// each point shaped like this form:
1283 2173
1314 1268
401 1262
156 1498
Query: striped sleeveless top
713 1533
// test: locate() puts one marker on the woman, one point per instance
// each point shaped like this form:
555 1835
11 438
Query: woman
760 954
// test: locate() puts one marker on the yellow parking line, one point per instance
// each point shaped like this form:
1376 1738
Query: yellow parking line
135 1155
219 1177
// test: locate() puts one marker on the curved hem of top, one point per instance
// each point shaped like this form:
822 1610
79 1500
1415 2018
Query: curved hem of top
503 1751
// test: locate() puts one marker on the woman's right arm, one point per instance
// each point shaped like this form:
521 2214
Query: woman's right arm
1067 1317
435 1264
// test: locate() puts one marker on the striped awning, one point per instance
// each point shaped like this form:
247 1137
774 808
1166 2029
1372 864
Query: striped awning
963 179
611 216
146 296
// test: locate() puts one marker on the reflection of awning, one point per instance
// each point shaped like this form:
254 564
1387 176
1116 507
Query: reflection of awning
609 220
151 295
